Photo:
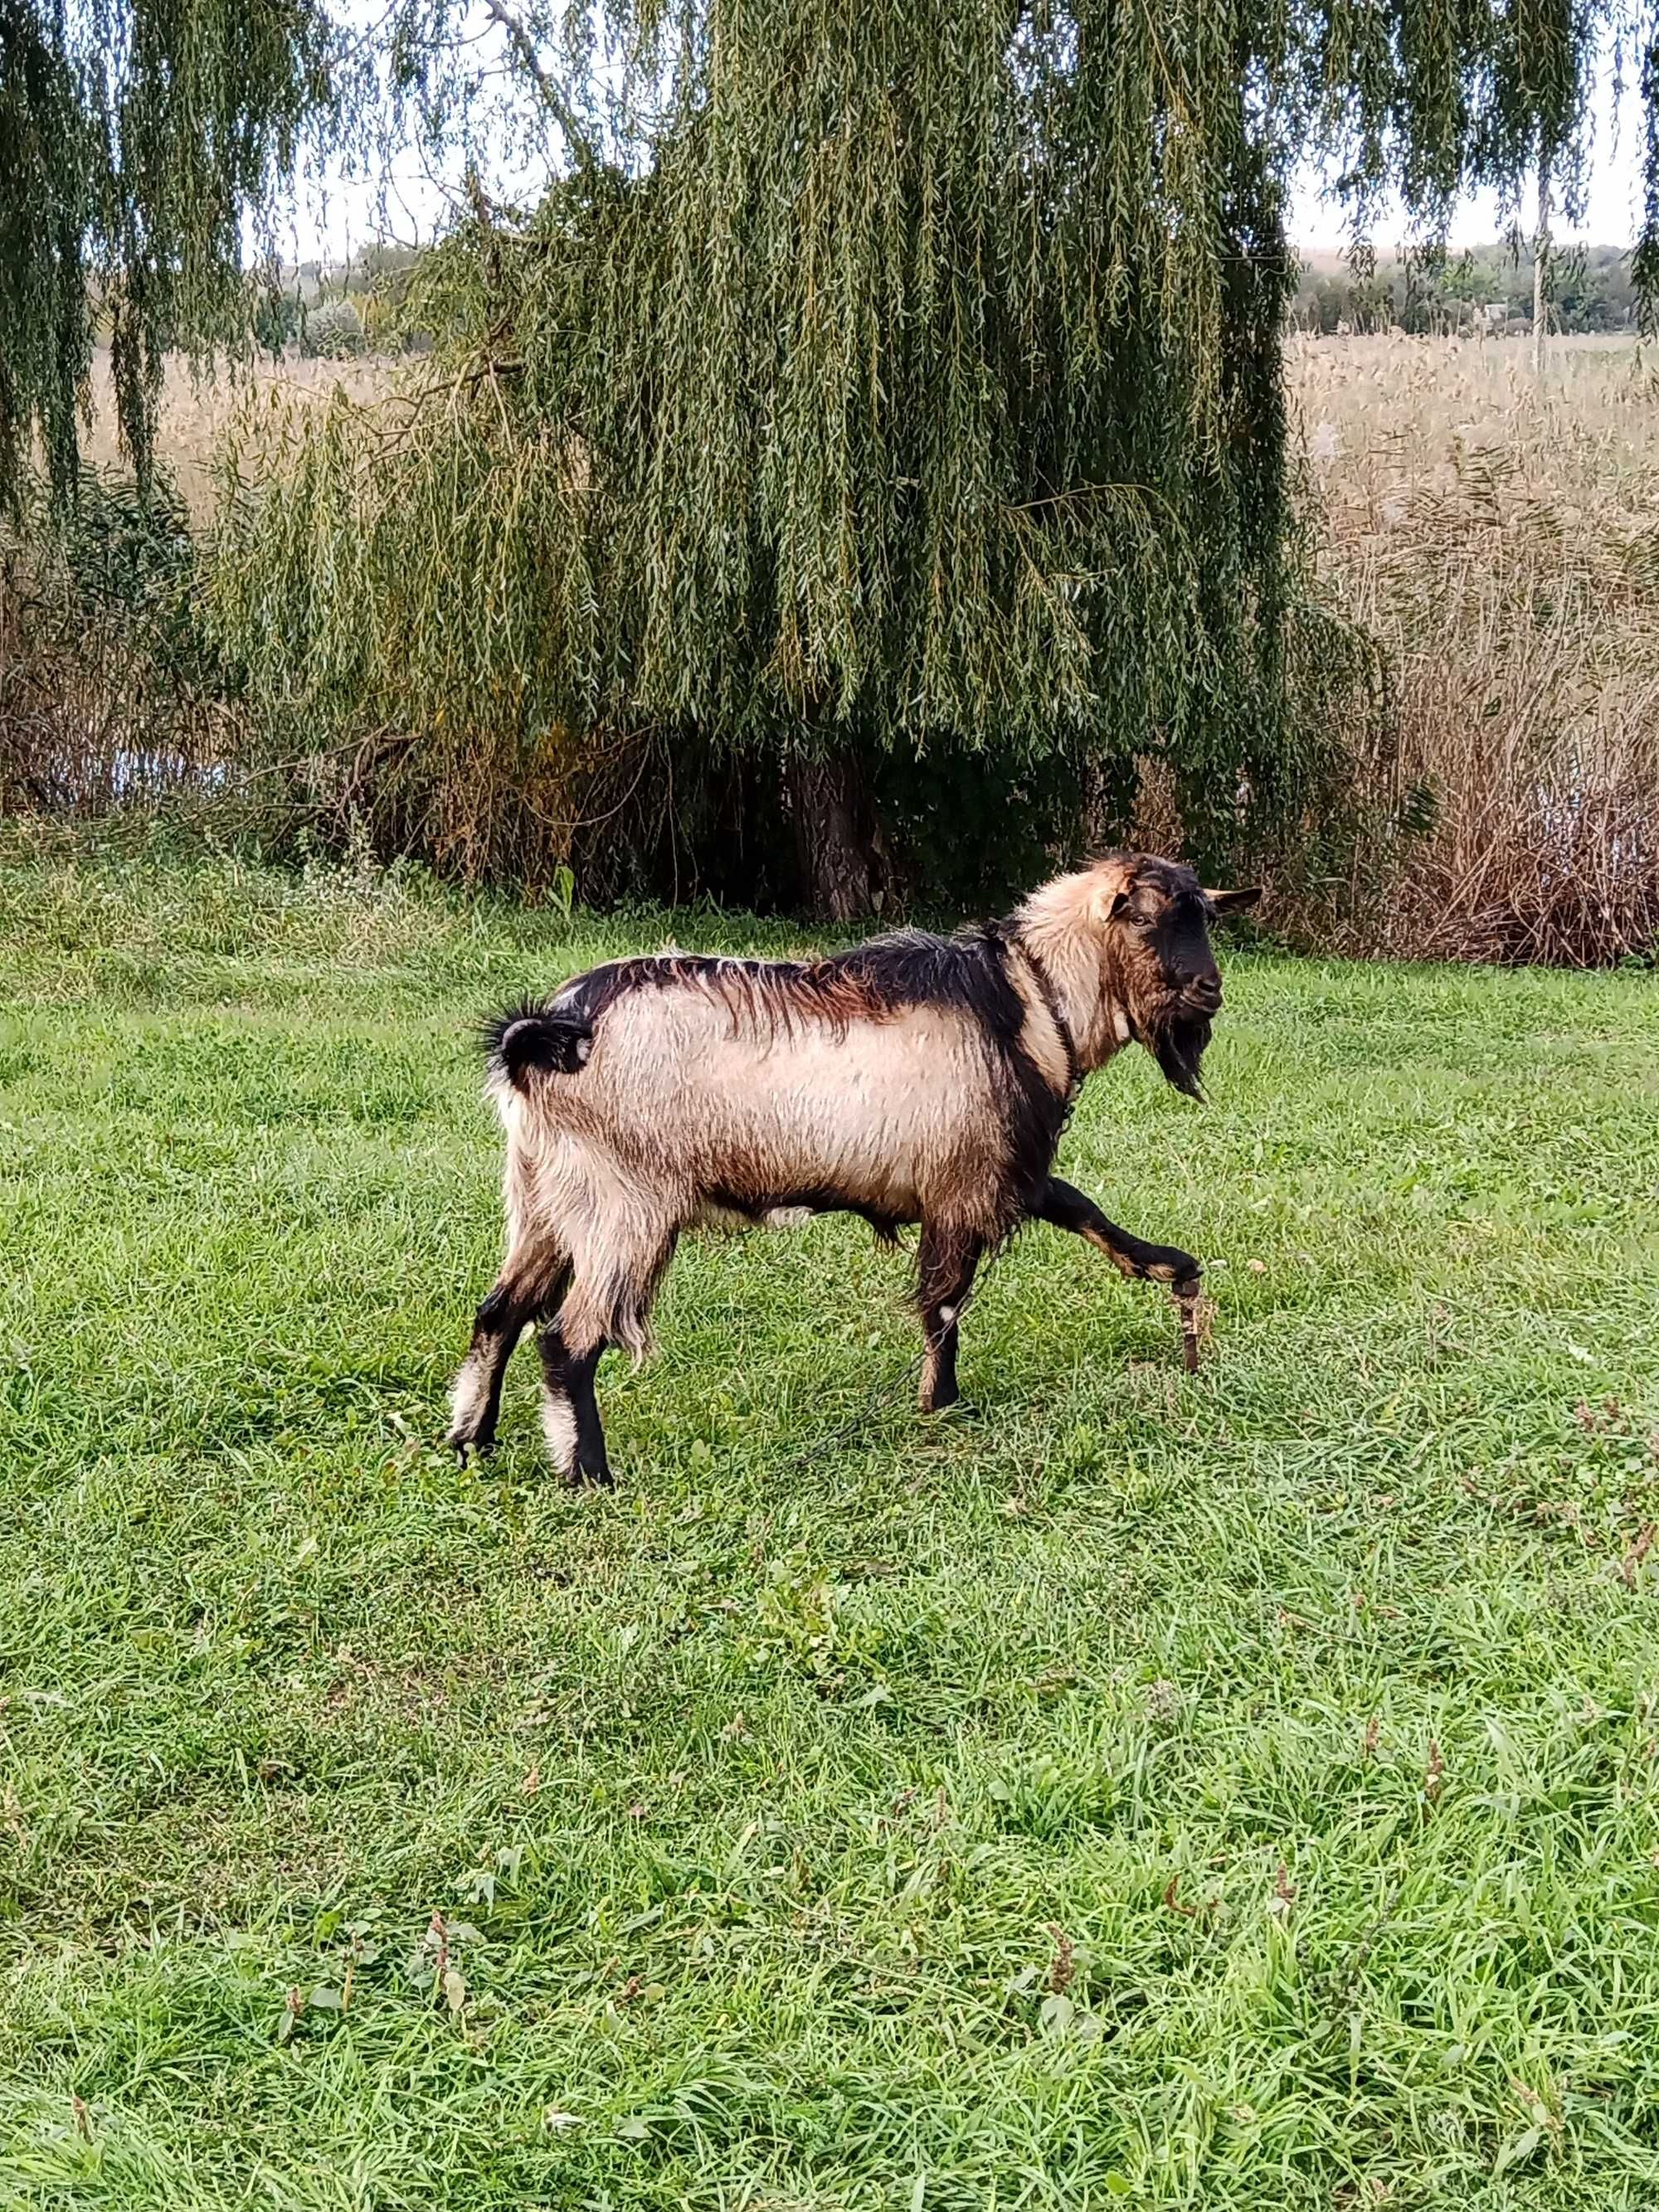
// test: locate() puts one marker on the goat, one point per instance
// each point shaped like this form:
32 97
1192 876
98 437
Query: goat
913 1079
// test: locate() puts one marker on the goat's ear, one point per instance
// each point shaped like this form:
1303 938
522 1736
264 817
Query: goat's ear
1113 885
1235 901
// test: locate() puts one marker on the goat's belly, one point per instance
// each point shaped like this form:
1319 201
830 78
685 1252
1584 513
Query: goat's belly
793 1158
722 1220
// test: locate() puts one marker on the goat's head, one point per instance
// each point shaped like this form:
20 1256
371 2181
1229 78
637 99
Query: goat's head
1153 920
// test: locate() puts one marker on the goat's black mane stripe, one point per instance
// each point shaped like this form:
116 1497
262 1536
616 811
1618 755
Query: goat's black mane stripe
1009 933
967 972
908 968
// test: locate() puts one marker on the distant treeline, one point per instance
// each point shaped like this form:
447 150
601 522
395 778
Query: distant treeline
351 307
336 310
1587 288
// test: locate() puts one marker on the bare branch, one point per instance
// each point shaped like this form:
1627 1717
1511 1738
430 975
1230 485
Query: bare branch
558 105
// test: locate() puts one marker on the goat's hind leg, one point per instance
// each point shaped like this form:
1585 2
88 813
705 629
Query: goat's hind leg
945 1266
609 1302
570 1411
526 1288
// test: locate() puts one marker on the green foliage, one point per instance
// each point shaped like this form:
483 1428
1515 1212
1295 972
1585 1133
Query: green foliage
110 696
879 389
333 331
898 389
277 317
895 405
118 560
134 136
439 614
1230 1791
122 548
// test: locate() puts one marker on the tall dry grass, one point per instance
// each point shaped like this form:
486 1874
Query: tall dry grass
1498 537
198 409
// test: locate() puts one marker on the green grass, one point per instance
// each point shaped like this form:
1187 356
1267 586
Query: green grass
1238 1791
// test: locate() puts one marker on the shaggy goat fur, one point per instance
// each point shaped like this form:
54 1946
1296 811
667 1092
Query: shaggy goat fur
915 1079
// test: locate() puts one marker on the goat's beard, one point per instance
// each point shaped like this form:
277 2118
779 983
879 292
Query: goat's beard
1177 1041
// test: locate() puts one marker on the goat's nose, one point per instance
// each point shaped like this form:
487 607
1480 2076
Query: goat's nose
1205 992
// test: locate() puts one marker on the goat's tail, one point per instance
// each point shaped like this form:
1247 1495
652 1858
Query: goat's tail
532 1040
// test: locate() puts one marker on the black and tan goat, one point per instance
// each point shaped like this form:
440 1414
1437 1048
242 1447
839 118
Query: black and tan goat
915 1079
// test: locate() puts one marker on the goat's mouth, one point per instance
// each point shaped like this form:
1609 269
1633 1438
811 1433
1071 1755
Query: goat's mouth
1175 1039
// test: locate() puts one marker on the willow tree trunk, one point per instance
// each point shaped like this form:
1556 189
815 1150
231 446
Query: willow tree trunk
1539 260
839 846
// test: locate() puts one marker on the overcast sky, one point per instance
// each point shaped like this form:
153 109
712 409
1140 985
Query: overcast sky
1610 216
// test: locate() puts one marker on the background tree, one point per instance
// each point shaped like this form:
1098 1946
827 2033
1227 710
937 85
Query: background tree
880 411
892 397
1587 288
135 138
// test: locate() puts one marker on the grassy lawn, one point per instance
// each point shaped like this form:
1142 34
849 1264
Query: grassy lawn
1232 1791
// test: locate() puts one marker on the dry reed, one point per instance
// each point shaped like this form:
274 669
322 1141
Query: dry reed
198 409
1498 538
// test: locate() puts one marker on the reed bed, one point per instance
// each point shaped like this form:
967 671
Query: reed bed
1498 536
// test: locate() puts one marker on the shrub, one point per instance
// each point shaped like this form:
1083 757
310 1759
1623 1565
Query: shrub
108 692
334 331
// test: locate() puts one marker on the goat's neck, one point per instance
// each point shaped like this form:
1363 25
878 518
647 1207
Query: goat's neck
1074 962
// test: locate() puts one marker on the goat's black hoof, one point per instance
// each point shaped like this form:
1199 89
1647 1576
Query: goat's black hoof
959 1409
1178 1269
592 1478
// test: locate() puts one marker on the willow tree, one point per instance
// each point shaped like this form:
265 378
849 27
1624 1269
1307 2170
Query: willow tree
137 137
889 386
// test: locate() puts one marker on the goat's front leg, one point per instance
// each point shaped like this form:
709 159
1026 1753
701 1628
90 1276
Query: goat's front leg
945 1269
1065 1207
